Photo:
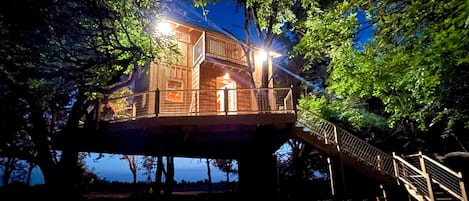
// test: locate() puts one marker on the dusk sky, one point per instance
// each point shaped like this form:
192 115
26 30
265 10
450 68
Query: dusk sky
221 15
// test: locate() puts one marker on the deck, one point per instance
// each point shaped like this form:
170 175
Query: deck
184 130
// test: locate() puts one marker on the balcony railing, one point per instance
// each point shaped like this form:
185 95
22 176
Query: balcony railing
164 103
218 47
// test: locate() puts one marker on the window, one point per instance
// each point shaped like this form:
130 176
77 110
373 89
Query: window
174 92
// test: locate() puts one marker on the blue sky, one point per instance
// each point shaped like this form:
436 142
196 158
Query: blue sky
112 168
221 15
188 169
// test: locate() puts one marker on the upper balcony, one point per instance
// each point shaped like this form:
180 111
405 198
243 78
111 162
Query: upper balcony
212 46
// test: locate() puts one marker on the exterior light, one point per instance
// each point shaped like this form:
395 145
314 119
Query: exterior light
164 27
261 56
226 76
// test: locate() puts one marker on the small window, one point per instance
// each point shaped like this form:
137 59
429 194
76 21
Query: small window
174 92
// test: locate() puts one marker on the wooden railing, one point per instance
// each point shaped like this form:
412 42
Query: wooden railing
418 177
346 142
194 103
447 179
218 47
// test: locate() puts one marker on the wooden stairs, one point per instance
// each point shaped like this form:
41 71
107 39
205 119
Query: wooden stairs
424 178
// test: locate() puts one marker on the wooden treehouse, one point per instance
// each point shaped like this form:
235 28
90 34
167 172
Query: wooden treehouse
203 106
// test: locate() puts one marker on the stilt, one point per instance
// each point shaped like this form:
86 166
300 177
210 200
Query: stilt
331 176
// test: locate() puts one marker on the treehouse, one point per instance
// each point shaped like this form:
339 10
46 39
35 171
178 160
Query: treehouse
208 104
211 77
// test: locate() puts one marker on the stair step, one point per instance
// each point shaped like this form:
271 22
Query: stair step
448 199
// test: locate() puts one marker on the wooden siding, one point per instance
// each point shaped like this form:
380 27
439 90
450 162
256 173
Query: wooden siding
208 80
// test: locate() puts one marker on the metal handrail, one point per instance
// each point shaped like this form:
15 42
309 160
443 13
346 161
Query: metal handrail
197 102
447 179
346 142
411 175
417 176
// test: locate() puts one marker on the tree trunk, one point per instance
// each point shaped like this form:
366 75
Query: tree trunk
46 161
209 174
159 174
227 181
169 175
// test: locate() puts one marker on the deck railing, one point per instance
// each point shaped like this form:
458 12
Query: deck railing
163 103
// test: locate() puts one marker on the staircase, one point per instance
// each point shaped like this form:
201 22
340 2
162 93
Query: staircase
424 178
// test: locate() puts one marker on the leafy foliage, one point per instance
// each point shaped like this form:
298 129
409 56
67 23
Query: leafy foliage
56 56
413 63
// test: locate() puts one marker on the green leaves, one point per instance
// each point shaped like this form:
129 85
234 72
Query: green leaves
413 63
272 15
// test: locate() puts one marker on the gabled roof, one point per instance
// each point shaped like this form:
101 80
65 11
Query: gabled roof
183 13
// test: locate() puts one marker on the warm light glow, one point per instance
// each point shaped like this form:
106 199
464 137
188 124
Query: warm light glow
164 27
261 56
226 76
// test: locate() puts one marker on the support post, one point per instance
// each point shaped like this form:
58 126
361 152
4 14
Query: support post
331 176
225 100
426 175
463 188
157 101
385 197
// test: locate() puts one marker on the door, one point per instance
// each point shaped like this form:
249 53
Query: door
226 92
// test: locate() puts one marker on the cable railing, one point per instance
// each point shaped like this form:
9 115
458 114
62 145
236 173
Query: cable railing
418 172
346 142
447 179
167 103
414 178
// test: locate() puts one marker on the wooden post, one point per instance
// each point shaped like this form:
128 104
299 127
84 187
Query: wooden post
426 175
380 163
225 100
463 188
385 197
157 101
98 113
336 139
331 176
396 166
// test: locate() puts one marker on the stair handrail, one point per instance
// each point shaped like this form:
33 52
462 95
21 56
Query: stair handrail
392 165
413 176
348 143
448 180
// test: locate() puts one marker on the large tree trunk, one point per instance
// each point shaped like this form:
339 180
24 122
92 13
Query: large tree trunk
169 183
158 175
61 178
46 161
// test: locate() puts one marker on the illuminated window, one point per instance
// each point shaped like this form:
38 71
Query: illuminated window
174 92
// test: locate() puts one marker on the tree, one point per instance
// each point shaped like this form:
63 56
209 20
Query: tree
71 51
132 161
301 170
209 175
410 71
227 166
